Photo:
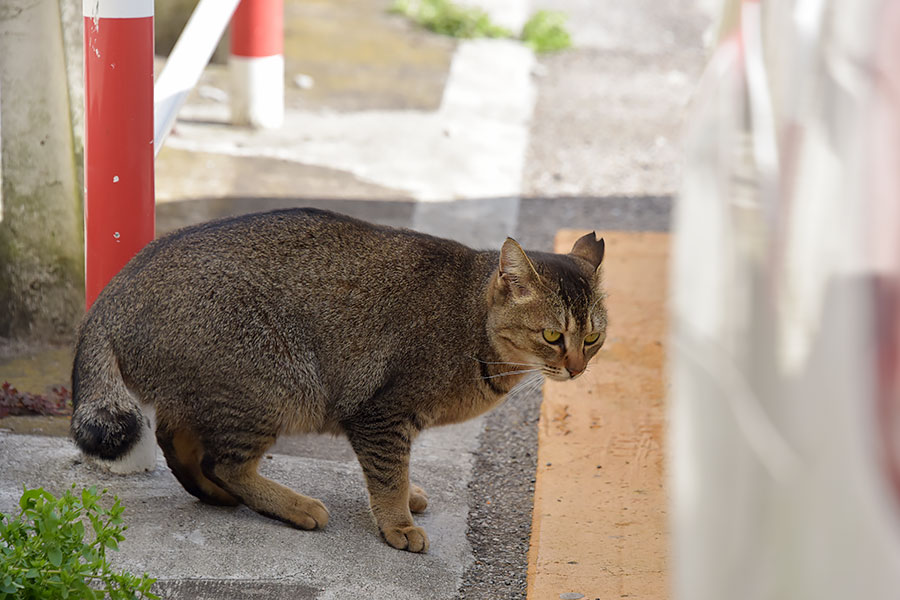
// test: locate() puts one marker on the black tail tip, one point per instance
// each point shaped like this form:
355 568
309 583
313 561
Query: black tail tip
107 436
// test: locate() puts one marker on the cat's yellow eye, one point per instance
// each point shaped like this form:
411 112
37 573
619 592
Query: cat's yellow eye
552 336
591 339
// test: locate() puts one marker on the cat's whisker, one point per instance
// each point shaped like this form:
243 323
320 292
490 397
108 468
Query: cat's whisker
551 371
519 372
503 362
531 385
527 381
525 386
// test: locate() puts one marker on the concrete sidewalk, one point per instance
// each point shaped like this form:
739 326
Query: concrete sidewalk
199 551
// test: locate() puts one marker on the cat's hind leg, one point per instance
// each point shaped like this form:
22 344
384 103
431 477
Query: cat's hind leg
183 453
233 466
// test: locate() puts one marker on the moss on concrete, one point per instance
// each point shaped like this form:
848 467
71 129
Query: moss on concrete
41 266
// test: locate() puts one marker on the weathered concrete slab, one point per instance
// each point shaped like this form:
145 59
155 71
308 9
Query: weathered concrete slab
472 146
199 551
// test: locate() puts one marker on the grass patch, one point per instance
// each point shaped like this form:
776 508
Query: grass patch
545 31
447 18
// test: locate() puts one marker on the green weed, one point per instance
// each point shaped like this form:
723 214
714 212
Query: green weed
545 31
44 554
447 18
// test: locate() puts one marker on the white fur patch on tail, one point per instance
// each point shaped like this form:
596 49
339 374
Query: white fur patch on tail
143 456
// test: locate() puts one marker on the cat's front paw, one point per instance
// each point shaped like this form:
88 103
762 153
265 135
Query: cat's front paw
418 499
407 537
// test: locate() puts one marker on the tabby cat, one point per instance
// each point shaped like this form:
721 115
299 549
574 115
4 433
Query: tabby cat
236 331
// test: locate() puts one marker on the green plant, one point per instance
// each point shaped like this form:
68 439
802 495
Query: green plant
447 18
546 31
44 553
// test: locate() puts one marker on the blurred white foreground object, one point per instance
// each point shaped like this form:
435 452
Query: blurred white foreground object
785 362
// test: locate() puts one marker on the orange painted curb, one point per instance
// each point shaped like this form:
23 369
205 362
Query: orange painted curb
600 527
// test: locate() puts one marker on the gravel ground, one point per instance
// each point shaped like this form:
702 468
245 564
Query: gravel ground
500 500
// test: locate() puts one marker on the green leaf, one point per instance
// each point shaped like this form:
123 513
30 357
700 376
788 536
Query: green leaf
7 585
54 554
30 498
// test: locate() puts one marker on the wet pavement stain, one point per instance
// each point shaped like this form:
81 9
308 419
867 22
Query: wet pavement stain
362 58
37 371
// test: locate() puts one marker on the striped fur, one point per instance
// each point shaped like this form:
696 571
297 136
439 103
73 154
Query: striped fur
243 329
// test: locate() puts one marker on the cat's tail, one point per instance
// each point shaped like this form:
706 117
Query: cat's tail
108 421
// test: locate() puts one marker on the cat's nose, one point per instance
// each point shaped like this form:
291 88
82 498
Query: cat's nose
574 372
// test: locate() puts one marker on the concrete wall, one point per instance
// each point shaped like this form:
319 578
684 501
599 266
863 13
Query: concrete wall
41 231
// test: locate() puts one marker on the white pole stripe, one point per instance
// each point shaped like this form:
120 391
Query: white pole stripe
117 9
257 90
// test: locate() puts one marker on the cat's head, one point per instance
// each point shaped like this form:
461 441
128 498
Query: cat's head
548 310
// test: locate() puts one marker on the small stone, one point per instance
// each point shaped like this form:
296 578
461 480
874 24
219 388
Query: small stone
571 596
304 81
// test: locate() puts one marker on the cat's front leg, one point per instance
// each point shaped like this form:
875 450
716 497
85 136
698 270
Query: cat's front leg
382 447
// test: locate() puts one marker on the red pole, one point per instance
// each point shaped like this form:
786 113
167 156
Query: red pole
118 146
256 28
257 63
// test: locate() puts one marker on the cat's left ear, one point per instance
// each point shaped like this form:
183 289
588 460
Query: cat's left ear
590 249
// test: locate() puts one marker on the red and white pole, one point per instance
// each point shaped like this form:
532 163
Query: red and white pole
118 139
256 63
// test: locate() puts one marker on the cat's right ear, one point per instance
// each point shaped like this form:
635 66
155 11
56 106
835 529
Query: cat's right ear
516 271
